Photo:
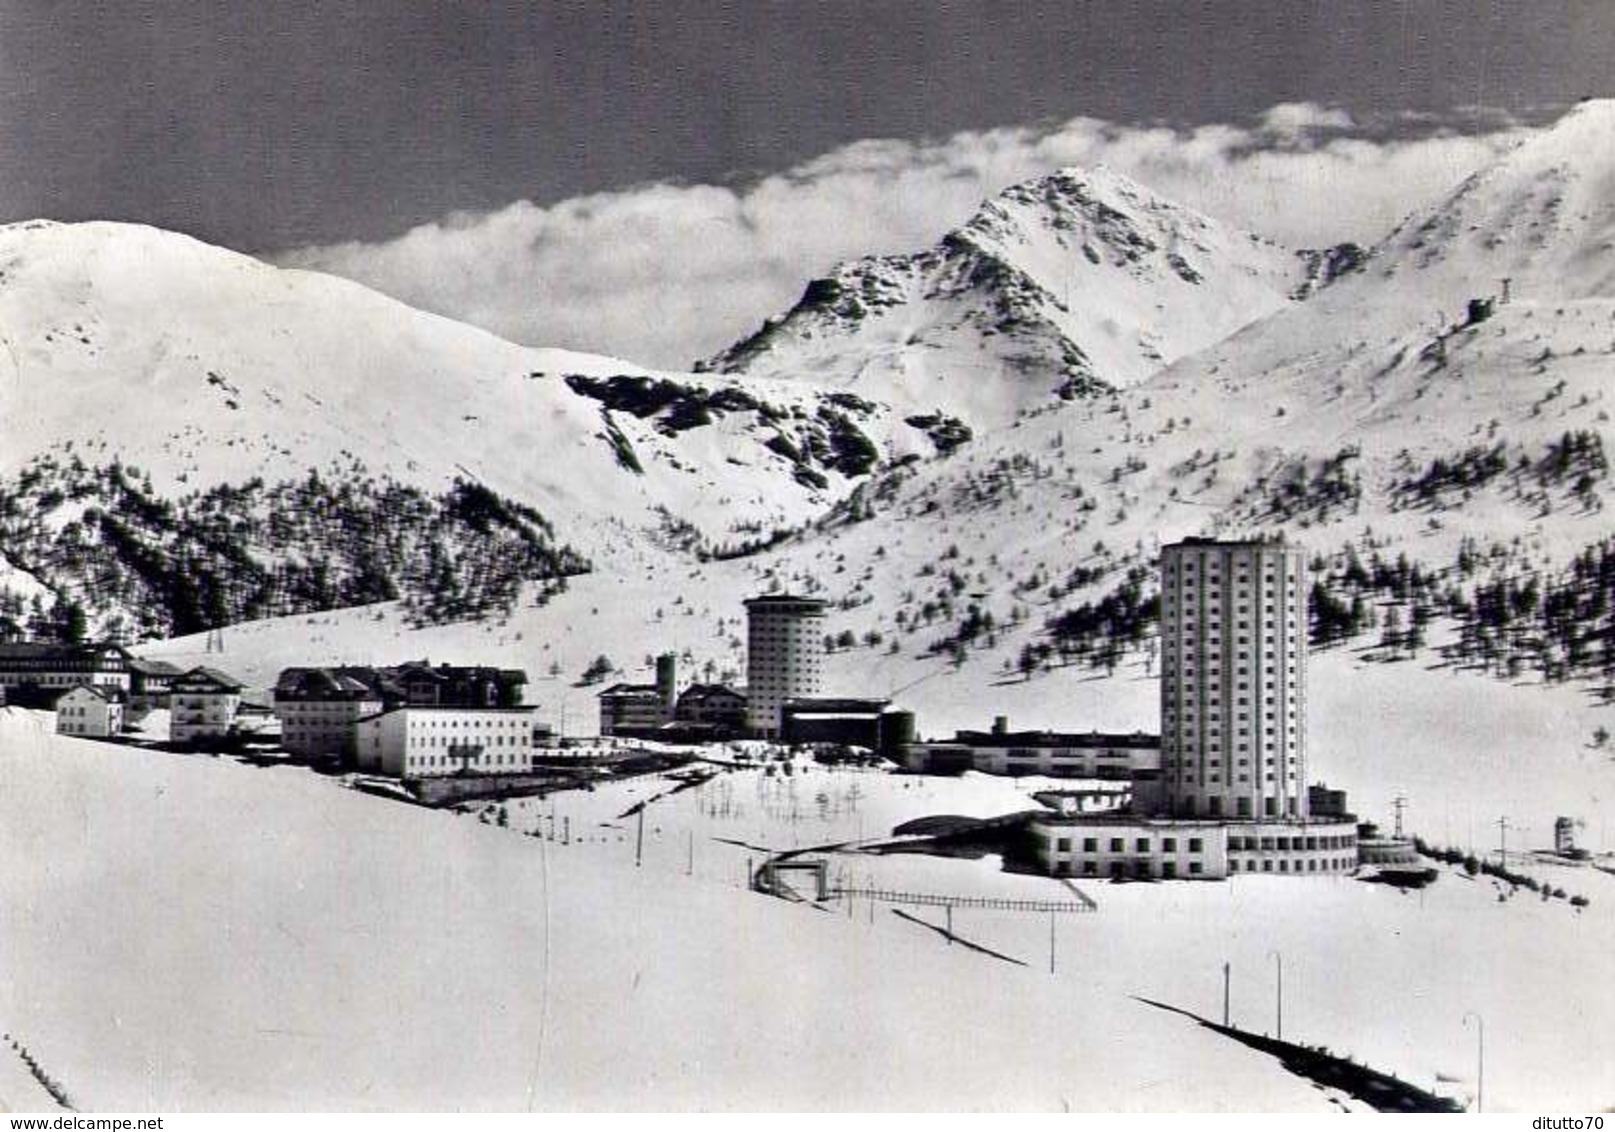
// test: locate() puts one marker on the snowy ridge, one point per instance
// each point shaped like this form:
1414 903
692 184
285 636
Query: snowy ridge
201 366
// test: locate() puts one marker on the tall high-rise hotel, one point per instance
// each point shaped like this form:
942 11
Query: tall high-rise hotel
1233 680
784 656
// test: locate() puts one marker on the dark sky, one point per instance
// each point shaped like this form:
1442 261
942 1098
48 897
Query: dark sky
267 125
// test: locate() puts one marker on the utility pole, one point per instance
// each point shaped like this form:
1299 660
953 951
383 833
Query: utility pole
1051 941
1502 842
689 865
639 838
1225 994
950 925
1280 987
1480 1058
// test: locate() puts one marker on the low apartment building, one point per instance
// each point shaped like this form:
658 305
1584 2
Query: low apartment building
90 712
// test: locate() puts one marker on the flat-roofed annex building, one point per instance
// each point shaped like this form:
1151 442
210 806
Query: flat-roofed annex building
1056 754
784 657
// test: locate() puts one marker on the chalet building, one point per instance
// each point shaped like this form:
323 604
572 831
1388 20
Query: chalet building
641 710
90 711
203 704
320 708
1055 754
431 740
717 706
632 710
150 683
35 672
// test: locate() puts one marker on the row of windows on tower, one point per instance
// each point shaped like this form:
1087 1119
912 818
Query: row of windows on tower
1242 727
1173 705
1190 804
1213 640
1241 568
1212 615
1175 763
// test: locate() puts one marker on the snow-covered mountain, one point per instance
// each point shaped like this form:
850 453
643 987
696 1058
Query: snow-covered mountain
200 365
1407 409
1061 286
1447 467
152 386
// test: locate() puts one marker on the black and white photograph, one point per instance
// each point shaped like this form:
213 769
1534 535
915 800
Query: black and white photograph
866 556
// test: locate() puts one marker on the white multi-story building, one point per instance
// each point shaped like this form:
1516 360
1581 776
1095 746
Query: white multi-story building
784 656
202 705
426 741
1233 680
90 710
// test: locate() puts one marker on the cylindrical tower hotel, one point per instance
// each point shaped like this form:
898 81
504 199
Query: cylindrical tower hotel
1233 680
784 656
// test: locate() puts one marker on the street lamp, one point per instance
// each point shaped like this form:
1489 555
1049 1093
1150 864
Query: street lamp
1480 1058
1280 988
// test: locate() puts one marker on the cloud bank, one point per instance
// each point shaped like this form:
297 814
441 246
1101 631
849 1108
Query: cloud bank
664 273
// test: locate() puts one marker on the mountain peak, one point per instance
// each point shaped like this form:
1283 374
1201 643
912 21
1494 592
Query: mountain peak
1064 284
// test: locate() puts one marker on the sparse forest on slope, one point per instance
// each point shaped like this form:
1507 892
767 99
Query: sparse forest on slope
142 564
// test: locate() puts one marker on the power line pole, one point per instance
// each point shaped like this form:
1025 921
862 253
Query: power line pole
1480 1059
1051 941
1225 994
639 838
1502 842
1280 988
